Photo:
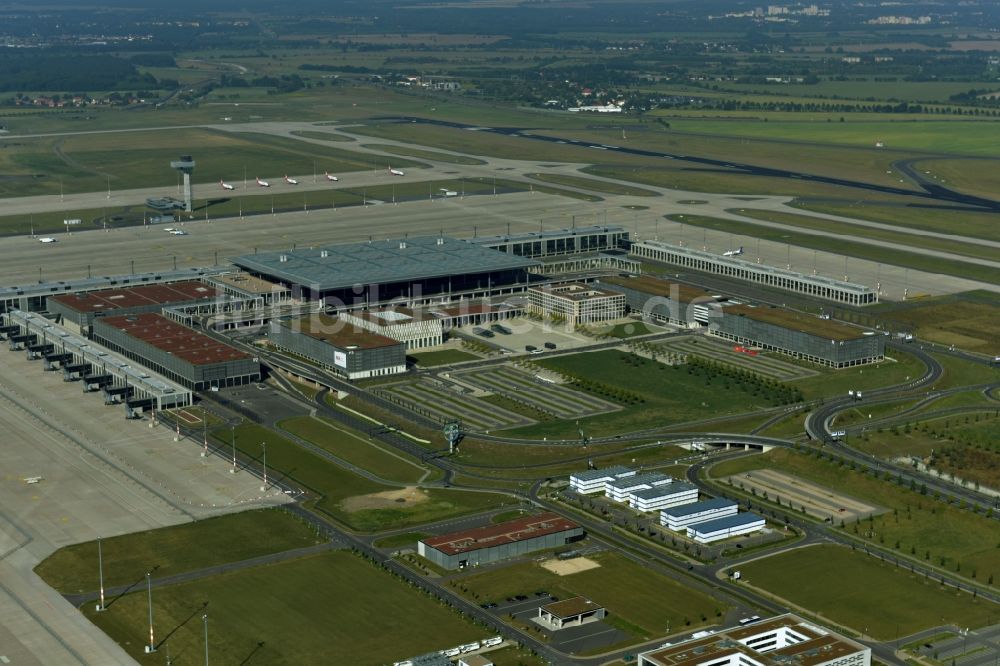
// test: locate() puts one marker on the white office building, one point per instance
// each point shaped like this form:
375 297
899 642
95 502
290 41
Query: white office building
677 518
620 489
593 480
663 496
724 528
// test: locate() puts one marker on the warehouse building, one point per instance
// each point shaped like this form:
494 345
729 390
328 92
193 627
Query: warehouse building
415 329
803 336
177 352
339 347
559 242
576 303
662 496
571 612
677 518
491 543
786 640
620 489
594 481
80 309
724 528
415 270
811 285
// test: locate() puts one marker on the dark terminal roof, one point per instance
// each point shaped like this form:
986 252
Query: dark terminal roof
380 262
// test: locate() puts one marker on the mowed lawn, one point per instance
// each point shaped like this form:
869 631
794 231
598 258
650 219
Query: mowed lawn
640 601
670 395
861 592
960 541
174 550
333 608
355 448
334 484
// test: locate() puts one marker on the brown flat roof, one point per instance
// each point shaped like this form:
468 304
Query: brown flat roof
572 607
576 291
817 648
250 283
169 336
511 531
109 300
823 328
657 287
340 333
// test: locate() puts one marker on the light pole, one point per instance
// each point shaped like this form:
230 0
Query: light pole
149 596
263 446
204 619
100 568
232 439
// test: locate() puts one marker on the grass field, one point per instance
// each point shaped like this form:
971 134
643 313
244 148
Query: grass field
314 626
405 540
883 254
639 600
969 323
443 357
874 598
171 550
628 330
956 539
335 484
355 448
322 136
670 395
898 368
423 154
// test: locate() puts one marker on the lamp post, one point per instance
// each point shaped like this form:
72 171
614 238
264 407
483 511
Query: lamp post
100 568
204 619
232 439
263 446
149 596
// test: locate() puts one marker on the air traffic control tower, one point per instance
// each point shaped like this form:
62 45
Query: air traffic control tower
185 165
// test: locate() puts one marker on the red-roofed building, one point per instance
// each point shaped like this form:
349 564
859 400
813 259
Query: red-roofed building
482 545
83 307
183 355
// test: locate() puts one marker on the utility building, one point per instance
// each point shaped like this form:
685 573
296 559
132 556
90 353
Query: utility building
724 528
677 518
492 543
594 480
177 352
620 489
786 640
662 496
570 613
339 347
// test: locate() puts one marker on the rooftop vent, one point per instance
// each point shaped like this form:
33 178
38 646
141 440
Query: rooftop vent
283 258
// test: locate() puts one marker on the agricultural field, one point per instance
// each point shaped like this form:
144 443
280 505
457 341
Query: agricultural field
358 502
639 600
169 551
915 525
874 598
314 624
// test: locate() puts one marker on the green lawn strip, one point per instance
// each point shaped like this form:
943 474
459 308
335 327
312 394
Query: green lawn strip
595 185
891 237
423 154
505 516
314 625
334 484
874 598
322 136
535 395
959 372
670 394
174 550
898 368
648 601
628 330
405 540
955 539
443 357
879 253
962 222
355 449
505 403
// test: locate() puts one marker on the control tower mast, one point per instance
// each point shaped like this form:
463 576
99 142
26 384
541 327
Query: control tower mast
185 165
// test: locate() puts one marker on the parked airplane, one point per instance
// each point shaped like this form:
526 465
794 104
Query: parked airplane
263 183
47 239
396 172
331 178
226 186
178 232
291 181
32 479
733 253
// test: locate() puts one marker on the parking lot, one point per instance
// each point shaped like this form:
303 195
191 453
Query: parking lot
524 333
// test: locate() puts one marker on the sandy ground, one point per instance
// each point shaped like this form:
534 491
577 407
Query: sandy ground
818 501
385 500
570 567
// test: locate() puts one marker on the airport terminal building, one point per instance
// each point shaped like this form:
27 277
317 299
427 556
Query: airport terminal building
81 308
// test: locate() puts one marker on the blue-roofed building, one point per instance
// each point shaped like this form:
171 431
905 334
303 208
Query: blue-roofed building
677 518
593 480
619 490
414 269
724 528
663 495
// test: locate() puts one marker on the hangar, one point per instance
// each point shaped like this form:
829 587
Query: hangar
411 269
482 545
